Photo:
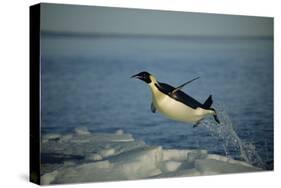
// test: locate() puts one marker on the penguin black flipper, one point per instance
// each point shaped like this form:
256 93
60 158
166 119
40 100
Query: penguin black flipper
178 95
181 86
152 108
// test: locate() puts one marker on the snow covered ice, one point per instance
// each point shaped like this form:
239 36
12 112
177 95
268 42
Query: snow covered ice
83 156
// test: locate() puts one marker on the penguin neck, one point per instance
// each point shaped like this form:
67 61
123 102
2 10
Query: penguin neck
152 85
153 81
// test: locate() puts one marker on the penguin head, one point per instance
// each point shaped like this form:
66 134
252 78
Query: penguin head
144 76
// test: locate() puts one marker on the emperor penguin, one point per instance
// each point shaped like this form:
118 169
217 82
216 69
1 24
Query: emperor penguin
175 104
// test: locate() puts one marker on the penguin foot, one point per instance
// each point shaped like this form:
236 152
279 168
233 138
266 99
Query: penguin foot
217 119
196 124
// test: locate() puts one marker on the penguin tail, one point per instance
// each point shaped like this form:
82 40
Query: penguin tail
207 105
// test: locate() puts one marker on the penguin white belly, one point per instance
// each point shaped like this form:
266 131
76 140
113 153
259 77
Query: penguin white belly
178 111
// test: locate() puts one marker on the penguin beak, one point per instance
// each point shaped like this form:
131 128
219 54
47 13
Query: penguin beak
136 76
144 76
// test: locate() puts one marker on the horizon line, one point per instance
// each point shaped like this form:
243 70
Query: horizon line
141 35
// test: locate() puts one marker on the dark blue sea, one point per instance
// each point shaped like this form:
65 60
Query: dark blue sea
86 82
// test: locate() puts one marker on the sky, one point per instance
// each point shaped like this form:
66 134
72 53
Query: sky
104 20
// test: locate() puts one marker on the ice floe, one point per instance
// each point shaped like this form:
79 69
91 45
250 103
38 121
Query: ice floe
88 157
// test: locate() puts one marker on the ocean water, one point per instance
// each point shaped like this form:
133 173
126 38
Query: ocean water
86 82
